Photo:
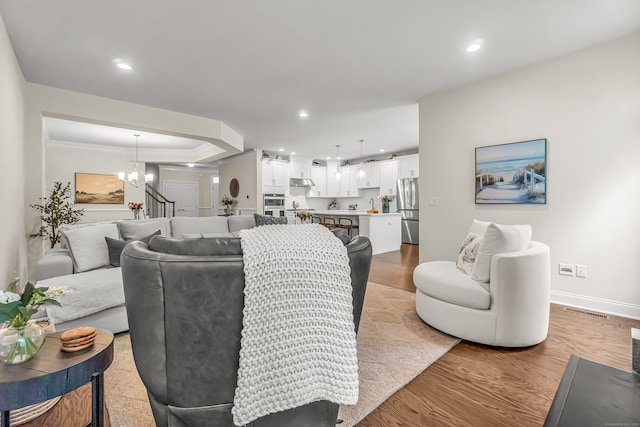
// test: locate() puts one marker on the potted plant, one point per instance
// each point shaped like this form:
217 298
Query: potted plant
135 207
22 339
385 202
55 211
228 203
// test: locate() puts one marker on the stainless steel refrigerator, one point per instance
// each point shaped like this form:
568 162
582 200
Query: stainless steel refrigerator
408 206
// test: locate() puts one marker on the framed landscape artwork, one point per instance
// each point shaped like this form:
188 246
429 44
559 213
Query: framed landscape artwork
513 173
99 189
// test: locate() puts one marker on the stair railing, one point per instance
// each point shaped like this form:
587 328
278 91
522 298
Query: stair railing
158 205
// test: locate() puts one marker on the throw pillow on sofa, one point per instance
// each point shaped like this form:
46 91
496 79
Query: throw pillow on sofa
87 245
181 226
78 225
269 220
499 239
136 229
240 222
116 246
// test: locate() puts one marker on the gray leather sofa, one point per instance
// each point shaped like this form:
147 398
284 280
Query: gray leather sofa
66 265
186 338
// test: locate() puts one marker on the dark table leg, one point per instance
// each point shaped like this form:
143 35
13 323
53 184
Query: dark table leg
6 418
97 401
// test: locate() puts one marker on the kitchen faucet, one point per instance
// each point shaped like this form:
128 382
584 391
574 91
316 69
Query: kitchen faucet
371 201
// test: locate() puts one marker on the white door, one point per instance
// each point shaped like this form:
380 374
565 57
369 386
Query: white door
185 194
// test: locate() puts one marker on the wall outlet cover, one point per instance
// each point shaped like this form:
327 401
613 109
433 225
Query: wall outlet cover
566 269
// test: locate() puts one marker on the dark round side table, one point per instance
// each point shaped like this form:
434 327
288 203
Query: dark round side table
53 373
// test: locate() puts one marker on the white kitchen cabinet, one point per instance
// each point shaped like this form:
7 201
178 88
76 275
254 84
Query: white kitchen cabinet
388 177
352 190
350 187
408 166
319 178
383 230
300 168
344 182
332 183
371 178
275 176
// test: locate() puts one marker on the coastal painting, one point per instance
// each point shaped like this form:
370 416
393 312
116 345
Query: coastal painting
513 173
99 189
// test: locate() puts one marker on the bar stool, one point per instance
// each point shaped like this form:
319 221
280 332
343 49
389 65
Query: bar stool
315 219
329 222
347 224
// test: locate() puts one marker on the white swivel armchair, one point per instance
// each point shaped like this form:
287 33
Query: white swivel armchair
511 310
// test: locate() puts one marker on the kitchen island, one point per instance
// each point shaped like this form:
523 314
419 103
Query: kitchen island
383 229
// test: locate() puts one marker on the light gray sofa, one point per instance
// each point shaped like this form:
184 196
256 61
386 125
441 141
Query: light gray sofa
89 266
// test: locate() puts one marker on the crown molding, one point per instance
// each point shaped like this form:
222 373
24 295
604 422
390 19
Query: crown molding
194 169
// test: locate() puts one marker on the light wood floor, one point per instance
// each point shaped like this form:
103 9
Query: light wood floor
476 385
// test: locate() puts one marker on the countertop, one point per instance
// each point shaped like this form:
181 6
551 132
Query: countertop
351 213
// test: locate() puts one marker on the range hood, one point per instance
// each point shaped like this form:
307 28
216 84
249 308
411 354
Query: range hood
301 182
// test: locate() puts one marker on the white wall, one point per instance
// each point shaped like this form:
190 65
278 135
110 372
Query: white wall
588 106
244 168
202 177
12 164
63 163
48 101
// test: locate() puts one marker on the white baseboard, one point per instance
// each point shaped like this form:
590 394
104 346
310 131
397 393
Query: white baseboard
596 304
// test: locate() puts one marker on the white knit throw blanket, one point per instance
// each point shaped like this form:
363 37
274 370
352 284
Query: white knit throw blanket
298 338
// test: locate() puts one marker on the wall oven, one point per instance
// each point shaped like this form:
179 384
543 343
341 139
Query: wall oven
273 204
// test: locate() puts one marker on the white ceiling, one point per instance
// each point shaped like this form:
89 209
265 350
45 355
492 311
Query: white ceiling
357 66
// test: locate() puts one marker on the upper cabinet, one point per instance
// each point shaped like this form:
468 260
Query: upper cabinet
299 168
348 183
370 177
388 177
408 166
319 178
379 174
275 176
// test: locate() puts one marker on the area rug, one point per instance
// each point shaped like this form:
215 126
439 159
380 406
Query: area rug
394 346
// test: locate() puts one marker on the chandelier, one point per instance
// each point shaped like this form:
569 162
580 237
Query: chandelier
338 173
137 176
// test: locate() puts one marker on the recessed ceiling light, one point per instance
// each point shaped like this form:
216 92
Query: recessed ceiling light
474 46
293 154
191 164
303 114
124 66
382 150
281 149
328 158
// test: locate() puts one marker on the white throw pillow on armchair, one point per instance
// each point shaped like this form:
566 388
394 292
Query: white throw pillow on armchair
499 239
479 227
469 248
467 253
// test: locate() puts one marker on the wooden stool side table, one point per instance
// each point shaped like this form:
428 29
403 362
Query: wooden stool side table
53 373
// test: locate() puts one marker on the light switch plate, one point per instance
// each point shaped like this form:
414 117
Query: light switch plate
581 270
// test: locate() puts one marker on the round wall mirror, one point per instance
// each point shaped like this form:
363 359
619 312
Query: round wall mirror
234 188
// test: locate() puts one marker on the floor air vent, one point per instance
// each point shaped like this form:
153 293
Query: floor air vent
586 312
